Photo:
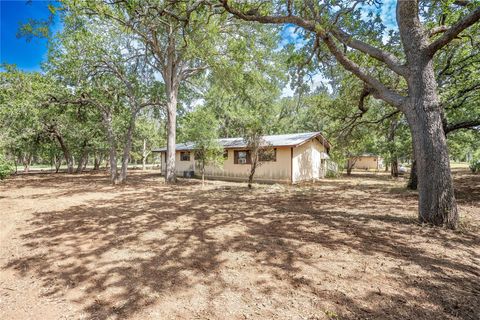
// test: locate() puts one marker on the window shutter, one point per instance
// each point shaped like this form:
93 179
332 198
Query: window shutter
249 158
235 157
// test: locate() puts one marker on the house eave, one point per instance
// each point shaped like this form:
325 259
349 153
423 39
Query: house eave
316 135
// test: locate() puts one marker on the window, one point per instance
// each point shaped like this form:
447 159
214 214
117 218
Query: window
225 154
184 156
242 157
268 155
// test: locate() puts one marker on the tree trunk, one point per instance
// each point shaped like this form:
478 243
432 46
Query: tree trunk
66 152
413 180
203 175
253 168
97 161
113 165
171 137
82 158
145 154
391 147
350 164
58 162
436 199
394 168
126 150
85 162
107 121
27 159
171 73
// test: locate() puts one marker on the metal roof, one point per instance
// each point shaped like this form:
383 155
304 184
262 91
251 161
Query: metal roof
367 154
281 140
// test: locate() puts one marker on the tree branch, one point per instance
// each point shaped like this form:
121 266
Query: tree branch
361 102
306 24
187 73
389 59
454 31
385 117
437 30
461 3
379 90
468 124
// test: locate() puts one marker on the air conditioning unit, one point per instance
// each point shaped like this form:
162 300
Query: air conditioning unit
188 174
242 161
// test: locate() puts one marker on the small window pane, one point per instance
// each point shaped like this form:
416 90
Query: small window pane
268 155
184 156
242 157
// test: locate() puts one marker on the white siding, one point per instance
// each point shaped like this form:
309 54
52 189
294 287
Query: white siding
307 163
302 163
180 166
319 167
278 170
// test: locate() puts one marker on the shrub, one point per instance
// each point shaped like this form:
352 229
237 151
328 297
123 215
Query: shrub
5 168
333 169
475 165
332 174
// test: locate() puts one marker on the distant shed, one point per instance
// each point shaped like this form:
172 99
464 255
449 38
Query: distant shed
367 161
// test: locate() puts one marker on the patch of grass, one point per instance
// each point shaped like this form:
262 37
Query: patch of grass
331 314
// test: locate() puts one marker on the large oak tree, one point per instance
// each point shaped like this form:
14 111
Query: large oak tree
178 36
335 28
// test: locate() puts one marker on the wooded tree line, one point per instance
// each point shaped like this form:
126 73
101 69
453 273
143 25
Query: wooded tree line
124 76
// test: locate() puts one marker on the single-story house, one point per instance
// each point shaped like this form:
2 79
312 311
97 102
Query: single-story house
367 161
296 157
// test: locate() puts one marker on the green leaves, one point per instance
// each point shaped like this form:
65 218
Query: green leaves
200 127
6 167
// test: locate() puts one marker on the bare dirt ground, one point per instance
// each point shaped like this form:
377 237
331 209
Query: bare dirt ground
75 247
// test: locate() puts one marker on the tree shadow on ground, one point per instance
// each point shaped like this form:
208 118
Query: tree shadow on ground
118 258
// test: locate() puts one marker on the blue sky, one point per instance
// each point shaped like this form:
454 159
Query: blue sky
29 55
290 36
386 11
26 55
